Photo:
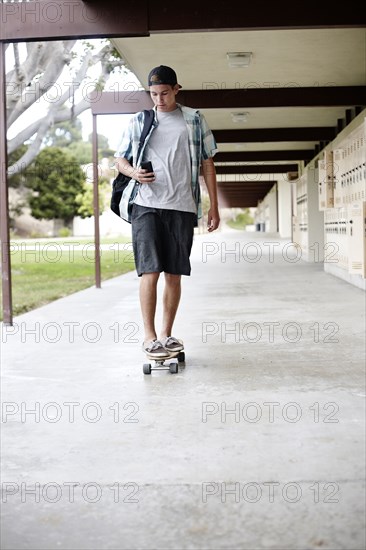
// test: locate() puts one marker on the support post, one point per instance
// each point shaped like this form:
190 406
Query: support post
4 200
96 204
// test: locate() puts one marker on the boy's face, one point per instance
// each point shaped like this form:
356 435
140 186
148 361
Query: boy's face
163 96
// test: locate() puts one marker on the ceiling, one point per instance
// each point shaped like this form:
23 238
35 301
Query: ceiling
298 78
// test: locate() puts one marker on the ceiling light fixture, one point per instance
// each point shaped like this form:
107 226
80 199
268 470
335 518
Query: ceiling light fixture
238 60
239 117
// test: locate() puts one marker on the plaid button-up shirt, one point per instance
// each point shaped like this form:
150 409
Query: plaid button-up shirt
202 144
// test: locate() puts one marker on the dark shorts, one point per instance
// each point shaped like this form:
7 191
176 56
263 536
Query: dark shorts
162 240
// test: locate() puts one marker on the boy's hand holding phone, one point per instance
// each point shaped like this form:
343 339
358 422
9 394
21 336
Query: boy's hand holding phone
145 173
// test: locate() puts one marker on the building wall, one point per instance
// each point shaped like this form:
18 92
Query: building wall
266 215
270 211
329 206
109 225
273 213
308 221
284 207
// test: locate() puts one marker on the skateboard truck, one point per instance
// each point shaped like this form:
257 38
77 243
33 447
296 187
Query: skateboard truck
163 363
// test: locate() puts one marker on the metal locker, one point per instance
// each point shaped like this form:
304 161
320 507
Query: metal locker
357 238
343 238
325 181
338 171
355 159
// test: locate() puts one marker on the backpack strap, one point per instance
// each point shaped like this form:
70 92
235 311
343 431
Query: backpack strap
148 122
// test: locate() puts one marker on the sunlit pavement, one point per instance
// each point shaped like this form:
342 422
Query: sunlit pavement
257 442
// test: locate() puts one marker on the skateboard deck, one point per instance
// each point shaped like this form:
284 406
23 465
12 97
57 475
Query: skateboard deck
164 363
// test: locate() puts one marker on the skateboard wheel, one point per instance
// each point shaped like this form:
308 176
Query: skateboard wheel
181 356
173 367
147 368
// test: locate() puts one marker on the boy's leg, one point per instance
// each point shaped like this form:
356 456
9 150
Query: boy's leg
148 293
171 299
178 239
146 238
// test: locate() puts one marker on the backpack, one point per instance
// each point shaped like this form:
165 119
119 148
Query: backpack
124 191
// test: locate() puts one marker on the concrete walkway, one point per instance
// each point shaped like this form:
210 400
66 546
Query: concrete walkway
257 442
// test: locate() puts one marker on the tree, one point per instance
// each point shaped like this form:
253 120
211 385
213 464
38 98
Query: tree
55 73
85 199
55 180
17 199
17 180
103 146
83 150
64 134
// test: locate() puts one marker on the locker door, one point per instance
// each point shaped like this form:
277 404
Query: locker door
357 238
343 254
338 170
321 183
325 181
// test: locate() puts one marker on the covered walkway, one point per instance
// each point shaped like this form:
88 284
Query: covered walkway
257 442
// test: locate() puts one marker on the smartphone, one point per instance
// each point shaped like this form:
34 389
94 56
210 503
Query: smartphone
147 166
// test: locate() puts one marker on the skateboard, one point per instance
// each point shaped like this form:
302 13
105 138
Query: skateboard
164 363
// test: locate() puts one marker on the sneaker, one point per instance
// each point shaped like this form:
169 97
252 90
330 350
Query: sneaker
155 348
172 344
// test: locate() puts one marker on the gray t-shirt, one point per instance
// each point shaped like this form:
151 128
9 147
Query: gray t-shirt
168 151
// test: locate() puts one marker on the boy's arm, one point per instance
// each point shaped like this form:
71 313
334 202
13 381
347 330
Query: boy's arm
209 175
138 174
125 167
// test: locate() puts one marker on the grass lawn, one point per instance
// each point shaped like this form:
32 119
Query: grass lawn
50 270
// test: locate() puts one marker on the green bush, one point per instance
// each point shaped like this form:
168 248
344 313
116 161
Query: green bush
64 232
